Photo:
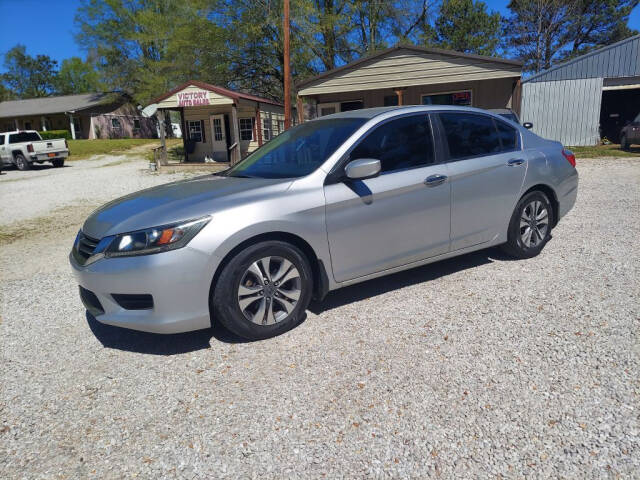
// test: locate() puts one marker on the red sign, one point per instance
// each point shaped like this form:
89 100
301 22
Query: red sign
194 98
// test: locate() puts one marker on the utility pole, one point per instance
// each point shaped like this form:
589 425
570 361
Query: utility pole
287 69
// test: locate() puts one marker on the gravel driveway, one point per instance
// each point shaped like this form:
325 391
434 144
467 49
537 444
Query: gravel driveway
474 367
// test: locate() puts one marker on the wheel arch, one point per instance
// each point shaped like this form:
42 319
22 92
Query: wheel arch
320 278
551 194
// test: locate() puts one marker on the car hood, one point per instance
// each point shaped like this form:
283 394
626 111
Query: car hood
177 201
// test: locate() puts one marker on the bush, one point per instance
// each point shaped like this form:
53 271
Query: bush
55 134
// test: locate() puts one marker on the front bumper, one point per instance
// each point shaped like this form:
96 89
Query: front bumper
178 280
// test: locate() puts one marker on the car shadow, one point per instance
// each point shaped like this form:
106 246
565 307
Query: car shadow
175 344
389 283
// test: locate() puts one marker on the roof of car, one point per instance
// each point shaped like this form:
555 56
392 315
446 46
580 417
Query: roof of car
369 113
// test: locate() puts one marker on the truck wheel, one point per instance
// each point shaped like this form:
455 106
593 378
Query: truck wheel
21 162
58 162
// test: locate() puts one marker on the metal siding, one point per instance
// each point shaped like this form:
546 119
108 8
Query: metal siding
567 111
618 60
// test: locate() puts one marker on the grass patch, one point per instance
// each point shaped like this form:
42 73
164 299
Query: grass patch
82 149
604 151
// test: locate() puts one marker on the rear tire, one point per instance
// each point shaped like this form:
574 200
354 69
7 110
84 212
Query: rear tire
263 291
58 162
624 143
530 226
21 162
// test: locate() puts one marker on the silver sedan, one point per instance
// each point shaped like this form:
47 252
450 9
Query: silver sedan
328 203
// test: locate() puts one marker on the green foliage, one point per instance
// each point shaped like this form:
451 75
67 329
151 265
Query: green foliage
465 26
77 76
49 134
543 32
27 76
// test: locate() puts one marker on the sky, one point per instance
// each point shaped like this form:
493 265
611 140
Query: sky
46 26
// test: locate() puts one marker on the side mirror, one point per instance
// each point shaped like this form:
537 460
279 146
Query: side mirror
362 168
527 125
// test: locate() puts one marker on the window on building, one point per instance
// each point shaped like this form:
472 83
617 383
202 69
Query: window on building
27 125
390 100
328 108
462 97
508 136
246 129
136 124
399 144
195 130
266 129
470 134
218 135
281 125
354 105
276 127
115 123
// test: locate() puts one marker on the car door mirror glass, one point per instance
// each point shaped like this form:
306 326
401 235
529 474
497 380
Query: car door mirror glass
363 168
527 125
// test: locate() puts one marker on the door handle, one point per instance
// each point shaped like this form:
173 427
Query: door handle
514 162
434 180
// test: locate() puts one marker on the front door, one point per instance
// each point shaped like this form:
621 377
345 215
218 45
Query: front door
486 171
218 139
398 217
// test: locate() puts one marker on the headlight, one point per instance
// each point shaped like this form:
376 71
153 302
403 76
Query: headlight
155 240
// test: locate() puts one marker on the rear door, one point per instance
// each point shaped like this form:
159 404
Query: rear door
486 169
398 217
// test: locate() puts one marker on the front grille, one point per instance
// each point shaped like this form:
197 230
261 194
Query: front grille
128 301
85 247
91 302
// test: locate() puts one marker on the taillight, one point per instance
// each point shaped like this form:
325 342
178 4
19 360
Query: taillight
30 148
571 158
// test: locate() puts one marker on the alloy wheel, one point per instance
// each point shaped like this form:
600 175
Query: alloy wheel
269 290
534 224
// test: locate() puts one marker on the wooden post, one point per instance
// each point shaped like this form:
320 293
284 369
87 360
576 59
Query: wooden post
183 127
400 94
235 153
259 125
163 143
287 69
43 123
300 108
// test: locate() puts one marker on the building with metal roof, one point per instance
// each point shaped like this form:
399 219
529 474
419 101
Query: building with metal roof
588 98
87 115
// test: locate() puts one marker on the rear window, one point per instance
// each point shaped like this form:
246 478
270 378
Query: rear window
470 135
24 137
1 139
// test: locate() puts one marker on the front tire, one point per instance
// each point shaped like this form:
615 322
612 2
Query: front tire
530 226
263 291
22 163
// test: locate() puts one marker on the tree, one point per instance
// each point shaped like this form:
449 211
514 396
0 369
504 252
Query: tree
77 76
148 46
27 76
544 31
465 26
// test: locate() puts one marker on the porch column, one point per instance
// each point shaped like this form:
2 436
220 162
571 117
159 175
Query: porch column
72 127
235 153
163 143
259 125
300 107
400 94
183 127
15 122
43 124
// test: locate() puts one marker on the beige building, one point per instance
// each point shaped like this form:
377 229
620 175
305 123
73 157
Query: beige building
408 75
222 124
86 116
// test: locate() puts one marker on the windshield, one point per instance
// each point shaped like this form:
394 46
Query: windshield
298 151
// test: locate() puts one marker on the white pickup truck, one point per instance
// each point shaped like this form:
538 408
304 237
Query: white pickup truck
22 148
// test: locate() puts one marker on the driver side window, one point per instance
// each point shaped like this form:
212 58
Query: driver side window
399 144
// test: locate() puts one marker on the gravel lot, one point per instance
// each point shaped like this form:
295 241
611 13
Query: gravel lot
474 367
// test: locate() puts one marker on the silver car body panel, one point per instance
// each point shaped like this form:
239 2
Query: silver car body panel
359 231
